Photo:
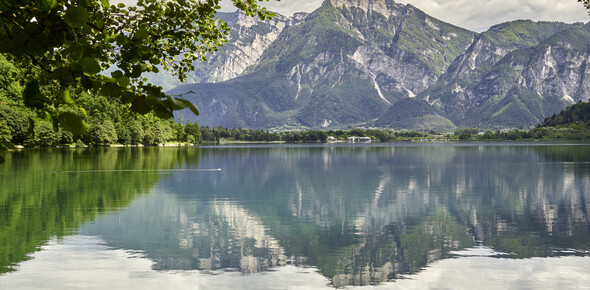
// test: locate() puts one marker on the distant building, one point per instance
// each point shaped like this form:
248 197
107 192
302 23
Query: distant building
355 139
331 139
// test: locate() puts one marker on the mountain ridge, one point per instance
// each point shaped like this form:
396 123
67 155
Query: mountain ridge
350 63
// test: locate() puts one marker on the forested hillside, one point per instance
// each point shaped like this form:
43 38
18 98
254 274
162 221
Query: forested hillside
579 112
107 122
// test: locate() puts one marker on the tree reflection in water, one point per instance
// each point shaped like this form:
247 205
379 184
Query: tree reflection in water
360 214
46 193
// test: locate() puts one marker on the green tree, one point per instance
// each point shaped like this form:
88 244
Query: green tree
136 132
177 132
470 131
193 129
44 134
102 132
62 46
148 137
488 135
239 136
576 112
5 134
190 139
65 137
10 87
207 134
17 122
123 134
160 133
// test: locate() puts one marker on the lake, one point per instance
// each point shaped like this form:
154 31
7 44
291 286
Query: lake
382 216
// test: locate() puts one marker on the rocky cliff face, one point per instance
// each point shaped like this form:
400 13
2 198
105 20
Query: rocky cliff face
248 38
386 8
514 80
404 51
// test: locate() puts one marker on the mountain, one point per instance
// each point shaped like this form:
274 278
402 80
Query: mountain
414 114
515 75
346 63
248 38
381 63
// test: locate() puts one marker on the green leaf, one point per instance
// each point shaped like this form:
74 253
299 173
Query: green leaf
77 52
32 96
65 97
20 41
173 103
72 122
162 111
104 3
140 106
45 116
128 97
146 67
90 65
63 75
47 5
123 81
86 83
111 90
135 71
141 34
189 105
121 39
117 74
179 104
76 16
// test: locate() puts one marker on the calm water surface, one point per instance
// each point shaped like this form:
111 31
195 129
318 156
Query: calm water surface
491 216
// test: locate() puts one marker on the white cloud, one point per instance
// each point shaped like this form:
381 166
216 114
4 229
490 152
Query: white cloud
477 15
87 262
285 7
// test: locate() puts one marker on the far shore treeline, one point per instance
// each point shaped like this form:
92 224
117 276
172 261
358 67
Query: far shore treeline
109 124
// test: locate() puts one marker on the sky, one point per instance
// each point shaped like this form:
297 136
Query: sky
476 15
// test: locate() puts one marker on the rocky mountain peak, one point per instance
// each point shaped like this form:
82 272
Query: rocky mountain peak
383 7
240 19
299 16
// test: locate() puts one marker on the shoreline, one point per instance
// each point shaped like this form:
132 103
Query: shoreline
341 142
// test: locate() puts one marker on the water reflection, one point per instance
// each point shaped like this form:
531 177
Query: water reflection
362 215
85 262
46 193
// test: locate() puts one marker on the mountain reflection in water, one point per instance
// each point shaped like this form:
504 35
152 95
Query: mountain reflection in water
361 215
